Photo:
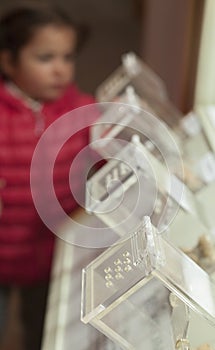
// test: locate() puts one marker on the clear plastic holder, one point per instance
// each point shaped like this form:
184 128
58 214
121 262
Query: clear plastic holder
146 83
131 67
120 121
133 184
130 115
140 290
152 96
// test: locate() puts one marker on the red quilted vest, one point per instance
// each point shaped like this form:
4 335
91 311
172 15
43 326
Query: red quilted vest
26 244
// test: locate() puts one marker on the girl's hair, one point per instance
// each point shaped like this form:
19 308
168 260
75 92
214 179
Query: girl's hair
18 25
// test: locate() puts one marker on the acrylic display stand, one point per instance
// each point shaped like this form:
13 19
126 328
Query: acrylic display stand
147 85
137 181
134 83
121 121
140 291
135 184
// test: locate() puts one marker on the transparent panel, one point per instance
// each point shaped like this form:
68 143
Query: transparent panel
120 267
141 320
139 291
180 321
184 277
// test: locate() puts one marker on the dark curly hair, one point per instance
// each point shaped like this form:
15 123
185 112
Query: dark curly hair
19 24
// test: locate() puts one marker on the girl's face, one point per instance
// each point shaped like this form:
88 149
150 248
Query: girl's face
45 66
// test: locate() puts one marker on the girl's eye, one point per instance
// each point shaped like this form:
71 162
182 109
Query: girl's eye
70 57
45 58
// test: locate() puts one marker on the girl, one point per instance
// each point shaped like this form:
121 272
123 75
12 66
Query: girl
37 49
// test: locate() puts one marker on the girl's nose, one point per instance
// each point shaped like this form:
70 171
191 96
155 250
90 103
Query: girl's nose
60 67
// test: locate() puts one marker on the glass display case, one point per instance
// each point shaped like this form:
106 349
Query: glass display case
142 292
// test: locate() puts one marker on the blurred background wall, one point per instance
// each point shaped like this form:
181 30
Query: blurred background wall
164 33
